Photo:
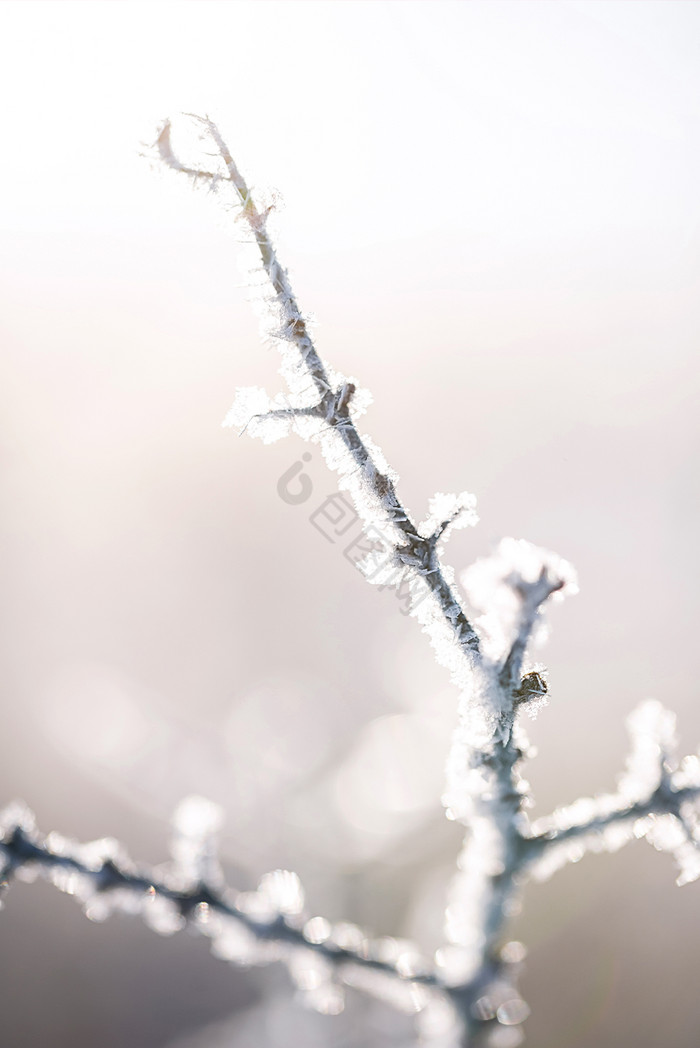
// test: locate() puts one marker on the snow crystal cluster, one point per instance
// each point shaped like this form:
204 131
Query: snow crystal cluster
508 590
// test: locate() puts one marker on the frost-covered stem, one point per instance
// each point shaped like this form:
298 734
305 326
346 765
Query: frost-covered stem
532 597
482 890
504 810
23 851
484 788
277 275
414 552
656 799
550 832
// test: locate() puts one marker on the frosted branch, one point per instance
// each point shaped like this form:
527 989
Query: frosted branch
448 513
258 927
163 145
247 928
510 589
656 800
330 422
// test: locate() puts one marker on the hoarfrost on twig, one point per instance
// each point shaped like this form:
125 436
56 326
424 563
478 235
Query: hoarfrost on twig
656 799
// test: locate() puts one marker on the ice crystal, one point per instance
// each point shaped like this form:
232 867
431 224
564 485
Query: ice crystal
652 731
317 930
250 411
508 588
161 914
284 891
234 942
16 815
448 513
687 854
196 824
198 818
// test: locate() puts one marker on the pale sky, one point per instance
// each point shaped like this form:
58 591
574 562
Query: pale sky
540 121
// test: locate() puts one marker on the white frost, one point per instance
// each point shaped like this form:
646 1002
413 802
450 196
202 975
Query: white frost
459 510
508 588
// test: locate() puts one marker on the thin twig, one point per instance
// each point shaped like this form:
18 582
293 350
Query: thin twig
336 403
553 830
22 851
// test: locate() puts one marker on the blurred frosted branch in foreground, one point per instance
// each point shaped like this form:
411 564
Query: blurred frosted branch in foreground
247 928
467 993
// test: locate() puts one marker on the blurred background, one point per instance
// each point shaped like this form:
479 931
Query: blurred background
492 211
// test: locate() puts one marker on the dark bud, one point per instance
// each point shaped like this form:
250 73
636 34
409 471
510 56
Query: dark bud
532 686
